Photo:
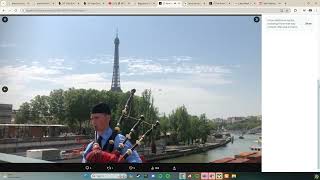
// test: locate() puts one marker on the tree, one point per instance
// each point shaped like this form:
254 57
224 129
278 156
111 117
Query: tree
204 128
244 125
24 113
195 128
151 113
72 107
56 106
40 109
164 124
180 123
77 107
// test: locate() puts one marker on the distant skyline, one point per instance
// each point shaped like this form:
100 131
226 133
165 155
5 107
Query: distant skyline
210 64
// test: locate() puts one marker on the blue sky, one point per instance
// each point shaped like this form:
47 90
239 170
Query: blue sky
211 64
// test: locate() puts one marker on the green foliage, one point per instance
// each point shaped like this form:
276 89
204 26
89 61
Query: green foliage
247 124
24 114
187 128
72 107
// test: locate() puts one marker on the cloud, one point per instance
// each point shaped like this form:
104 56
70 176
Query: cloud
7 45
59 64
168 95
22 82
18 93
191 88
99 59
145 68
221 69
166 66
61 67
182 58
91 80
35 62
26 72
56 61
20 60
174 66
201 80
25 82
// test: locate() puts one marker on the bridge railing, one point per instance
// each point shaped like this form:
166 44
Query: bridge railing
10 158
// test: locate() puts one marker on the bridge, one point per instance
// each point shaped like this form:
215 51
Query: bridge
254 130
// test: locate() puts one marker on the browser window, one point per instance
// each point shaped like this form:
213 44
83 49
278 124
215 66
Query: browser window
159 89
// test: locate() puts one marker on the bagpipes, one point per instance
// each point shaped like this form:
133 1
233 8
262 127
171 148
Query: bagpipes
99 156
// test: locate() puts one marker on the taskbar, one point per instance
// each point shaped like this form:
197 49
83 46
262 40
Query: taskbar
207 175
132 167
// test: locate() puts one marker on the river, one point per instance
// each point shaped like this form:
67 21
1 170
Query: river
238 146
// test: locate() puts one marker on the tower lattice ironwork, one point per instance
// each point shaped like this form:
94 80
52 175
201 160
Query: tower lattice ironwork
115 85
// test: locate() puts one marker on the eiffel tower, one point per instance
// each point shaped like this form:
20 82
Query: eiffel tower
115 85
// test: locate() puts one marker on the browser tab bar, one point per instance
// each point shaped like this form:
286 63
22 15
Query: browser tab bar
170 4
162 3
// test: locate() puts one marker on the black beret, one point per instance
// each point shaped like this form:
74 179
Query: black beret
101 108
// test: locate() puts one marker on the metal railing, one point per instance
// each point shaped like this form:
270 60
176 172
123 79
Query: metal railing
10 158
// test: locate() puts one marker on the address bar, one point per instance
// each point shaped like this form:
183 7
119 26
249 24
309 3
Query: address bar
145 10
50 10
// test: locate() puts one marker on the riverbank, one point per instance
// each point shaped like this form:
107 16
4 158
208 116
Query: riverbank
229 150
71 151
170 152
188 151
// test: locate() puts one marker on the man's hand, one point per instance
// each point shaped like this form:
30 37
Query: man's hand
96 146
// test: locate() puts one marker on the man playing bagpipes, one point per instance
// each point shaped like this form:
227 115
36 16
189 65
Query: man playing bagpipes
105 148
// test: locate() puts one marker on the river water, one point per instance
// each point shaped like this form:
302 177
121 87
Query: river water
238 146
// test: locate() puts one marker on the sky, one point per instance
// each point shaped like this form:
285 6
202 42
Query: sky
210 64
